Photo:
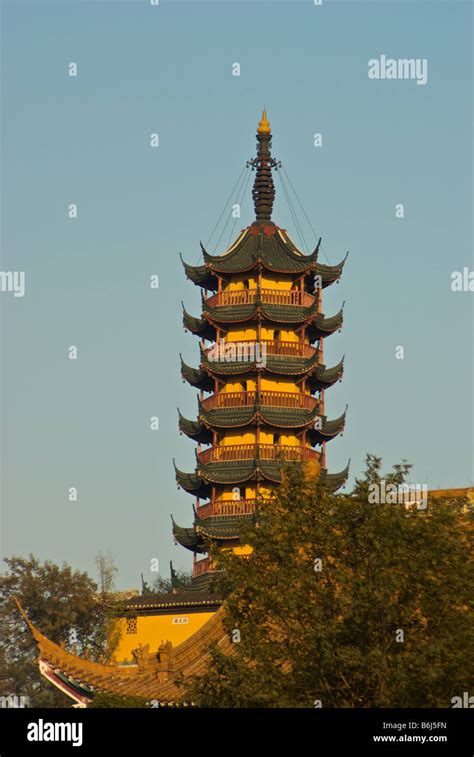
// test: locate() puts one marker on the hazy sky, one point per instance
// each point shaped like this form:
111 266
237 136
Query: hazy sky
86 140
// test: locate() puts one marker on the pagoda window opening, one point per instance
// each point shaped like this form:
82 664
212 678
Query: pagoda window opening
131 625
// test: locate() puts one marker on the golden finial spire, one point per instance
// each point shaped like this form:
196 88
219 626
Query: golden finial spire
264 125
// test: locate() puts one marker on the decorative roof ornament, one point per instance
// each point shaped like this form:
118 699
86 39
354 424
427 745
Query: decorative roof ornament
264 125
263 191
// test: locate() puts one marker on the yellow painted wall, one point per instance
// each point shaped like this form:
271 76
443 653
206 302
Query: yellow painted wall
267 384
245 550
233 438
153 629
237 333
237 284
274 385
238 386
283 282
226 493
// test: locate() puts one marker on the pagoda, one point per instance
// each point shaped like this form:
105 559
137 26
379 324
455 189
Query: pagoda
262 381
261 377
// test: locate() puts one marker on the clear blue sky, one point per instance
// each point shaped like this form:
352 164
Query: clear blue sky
85 140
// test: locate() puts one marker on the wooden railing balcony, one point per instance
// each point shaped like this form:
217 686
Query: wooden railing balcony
239 452
202 566
268 296
295 349
268 399
248 351
227 507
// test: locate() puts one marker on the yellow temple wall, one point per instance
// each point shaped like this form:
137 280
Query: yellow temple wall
283 282
266 437
238 334
267 384
226 493
274 385
242 550
237 386
153 629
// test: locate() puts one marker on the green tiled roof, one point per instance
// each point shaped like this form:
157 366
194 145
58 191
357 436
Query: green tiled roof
266 245
334 481
284 365
280 417
322 326
196 377
215 527
224 528
270 312
238 472
199 326
195 430
318 324
199 482
328 430
275 251
319 377
192 483
201 586
200 275
237 417
218 528
187 537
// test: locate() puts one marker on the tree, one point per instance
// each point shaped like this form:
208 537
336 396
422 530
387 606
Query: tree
107 569
343 603
65 606
163 585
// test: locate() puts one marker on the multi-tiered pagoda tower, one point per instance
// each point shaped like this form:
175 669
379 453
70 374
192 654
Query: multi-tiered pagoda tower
260 404
261 378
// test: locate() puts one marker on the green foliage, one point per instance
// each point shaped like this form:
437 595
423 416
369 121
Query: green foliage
64 605
163 585
328 630
104 700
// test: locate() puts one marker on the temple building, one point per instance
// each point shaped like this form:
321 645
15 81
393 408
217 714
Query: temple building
261 375
262 380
